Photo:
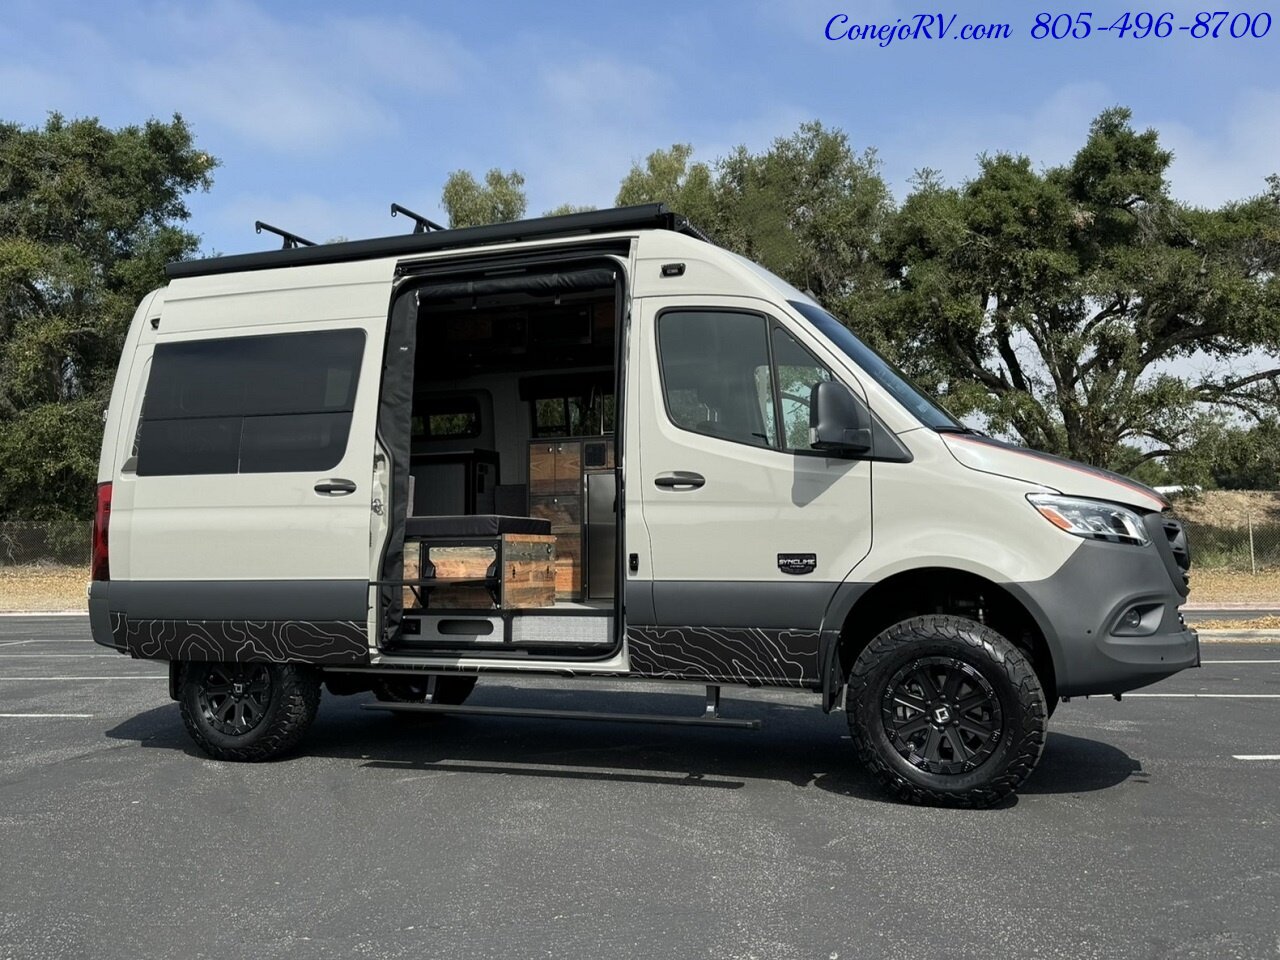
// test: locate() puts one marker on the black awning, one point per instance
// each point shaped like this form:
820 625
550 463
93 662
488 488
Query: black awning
566 281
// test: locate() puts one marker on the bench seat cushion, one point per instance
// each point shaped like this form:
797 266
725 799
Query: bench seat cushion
479 525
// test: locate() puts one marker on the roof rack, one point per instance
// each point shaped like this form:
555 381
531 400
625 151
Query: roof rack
647 216
291 240
420 223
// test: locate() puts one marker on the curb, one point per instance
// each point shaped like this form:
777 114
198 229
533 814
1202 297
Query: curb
44 613
1239 636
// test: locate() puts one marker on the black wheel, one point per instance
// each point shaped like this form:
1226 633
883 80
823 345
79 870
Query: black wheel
451 690
945 710
247 711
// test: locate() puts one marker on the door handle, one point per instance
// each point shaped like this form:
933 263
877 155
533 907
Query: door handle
679 480
336 487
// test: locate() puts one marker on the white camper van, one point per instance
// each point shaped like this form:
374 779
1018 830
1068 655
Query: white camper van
597 446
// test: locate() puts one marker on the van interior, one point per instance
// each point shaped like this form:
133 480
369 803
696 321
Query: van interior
512 535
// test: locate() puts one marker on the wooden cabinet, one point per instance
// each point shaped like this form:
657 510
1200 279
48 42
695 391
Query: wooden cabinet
555 466
556 492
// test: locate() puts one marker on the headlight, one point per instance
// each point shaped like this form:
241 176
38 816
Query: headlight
1092 519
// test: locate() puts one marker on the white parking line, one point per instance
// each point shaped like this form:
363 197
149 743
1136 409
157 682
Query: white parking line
47 716
1205 663
18 643
1256 756
46 656
1207 696
46 616
161 676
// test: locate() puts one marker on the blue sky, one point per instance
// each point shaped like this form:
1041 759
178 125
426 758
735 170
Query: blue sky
322 113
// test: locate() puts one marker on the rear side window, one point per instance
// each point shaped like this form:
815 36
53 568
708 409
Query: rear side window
448 418
266 404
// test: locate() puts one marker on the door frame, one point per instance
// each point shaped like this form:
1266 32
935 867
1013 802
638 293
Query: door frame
619 253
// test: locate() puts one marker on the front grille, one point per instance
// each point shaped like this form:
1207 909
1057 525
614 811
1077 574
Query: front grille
1176 534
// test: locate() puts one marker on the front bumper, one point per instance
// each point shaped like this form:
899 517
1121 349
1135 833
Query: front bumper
1080 610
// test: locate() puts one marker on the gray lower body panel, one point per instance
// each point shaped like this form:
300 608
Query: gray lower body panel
723 631
244 641
1079 610
752 656
798 603
292 621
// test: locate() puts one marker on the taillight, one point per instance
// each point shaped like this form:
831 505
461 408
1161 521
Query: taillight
101 569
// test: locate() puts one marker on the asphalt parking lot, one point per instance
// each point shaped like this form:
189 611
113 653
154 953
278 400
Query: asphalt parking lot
1140 835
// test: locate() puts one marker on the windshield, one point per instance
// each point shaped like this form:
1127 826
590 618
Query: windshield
878 368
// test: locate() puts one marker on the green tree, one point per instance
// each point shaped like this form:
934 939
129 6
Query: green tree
88 218
1247 458
809 208
567 208
1054 302
668 177
498 200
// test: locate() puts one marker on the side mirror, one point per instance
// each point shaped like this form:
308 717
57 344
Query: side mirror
837 422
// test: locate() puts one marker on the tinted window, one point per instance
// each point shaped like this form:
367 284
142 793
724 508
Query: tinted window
798 372
266 404
716 376
447 418
878 368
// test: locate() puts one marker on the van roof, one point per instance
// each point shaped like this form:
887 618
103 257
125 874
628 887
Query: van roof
647 216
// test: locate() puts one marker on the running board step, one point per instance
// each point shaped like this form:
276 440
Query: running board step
711 718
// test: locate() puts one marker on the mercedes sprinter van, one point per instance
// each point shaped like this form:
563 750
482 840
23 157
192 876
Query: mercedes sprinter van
597 446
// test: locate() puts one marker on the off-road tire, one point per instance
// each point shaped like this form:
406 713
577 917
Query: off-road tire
1021 703
290 708
450 690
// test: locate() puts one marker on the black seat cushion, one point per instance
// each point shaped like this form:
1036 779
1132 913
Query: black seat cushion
480 525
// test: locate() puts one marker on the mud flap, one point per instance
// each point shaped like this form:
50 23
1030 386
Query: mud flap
831 670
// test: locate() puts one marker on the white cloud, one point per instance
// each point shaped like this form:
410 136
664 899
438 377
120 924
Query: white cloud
1049 135
1209 170
1210 167
291 85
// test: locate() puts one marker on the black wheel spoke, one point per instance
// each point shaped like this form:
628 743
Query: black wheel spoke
942 715
234 700
952 684
973 700
925 681
912 727
959 750
976 727
910 701
932 744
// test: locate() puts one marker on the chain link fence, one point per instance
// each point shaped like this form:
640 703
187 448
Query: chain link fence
66 543
1249 548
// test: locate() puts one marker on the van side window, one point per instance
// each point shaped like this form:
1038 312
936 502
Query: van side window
797 373
265 404
716 374
447 418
